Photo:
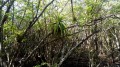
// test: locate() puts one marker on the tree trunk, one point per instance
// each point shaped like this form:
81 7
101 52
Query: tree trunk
1 36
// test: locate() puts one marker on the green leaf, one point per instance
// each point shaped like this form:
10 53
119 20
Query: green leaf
62 28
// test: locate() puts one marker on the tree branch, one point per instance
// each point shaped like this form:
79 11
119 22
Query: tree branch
3 4
72 49
34 20
73 15
101 18
7 11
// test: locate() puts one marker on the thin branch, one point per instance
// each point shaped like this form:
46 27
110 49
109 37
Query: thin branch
101 19
7 11
73 15
3 4
38 8
64 6
23 15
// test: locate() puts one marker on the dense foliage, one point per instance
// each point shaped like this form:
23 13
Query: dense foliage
59 33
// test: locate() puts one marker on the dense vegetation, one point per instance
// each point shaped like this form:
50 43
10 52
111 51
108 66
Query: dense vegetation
59 33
